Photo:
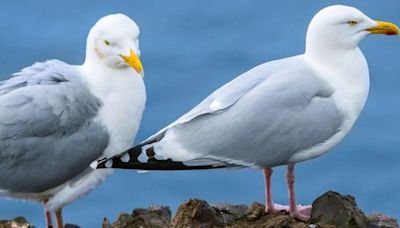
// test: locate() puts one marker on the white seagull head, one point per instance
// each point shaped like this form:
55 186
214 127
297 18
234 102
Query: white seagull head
341 27
114 42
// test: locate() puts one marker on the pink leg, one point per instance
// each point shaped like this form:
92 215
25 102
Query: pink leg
59 218
299 212
269 206
47 214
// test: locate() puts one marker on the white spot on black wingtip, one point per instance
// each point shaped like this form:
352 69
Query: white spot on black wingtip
125 158
143 157
160 157
94 165
108 164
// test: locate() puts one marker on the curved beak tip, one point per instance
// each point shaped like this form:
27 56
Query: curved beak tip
385 28
133 61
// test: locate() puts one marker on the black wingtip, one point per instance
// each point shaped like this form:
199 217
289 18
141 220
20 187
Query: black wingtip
119 159
130 160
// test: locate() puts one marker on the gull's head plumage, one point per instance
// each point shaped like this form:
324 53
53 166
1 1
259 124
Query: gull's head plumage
114 41
341 27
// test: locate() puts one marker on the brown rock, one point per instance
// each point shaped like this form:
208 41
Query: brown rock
332 208
154 217
197 213
122 221
18 222
71 226
106 223
379 220
256 216
231 212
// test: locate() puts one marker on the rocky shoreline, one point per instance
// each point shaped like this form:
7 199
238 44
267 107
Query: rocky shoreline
329 210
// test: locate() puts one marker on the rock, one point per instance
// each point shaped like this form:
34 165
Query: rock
256 216
332 208
106 223
255 211
18 222
197 213
154 217
71 226
21 222
122 221
231 212
379 220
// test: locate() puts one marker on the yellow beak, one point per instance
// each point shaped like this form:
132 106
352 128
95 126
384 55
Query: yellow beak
133 61
384 27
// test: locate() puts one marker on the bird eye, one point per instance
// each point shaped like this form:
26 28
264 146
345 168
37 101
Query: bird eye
352 23
107 43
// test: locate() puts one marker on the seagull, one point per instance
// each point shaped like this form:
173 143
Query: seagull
56 118
278 113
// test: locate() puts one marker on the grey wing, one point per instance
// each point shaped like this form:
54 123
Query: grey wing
223 97
279 118
48 130
287 109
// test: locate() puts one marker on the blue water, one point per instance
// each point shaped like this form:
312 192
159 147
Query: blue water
190 48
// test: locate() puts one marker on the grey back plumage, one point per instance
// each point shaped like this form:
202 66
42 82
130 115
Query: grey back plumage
226 96
48 130
264 117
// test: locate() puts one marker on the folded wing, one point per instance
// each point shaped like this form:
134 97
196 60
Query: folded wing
48 128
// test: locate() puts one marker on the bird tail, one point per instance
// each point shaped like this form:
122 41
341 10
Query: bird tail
144 157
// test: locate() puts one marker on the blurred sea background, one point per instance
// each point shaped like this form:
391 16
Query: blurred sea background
189 49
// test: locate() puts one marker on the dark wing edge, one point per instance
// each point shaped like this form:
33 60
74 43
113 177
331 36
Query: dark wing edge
141 158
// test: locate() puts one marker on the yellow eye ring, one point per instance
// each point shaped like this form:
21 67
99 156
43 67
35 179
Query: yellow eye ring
107 43
352 23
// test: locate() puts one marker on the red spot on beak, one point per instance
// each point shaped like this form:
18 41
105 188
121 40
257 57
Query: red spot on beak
391 33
